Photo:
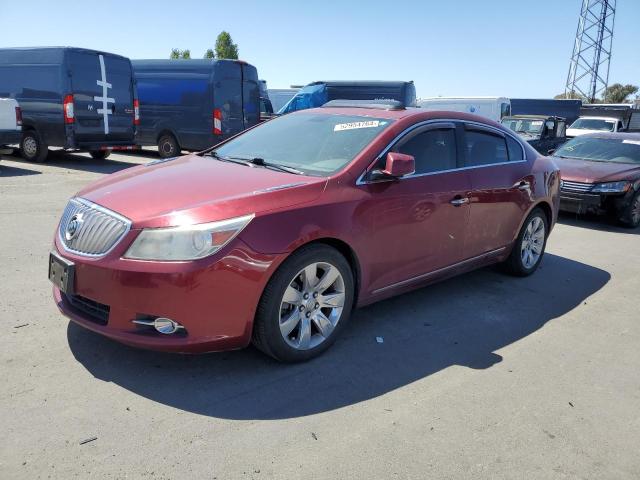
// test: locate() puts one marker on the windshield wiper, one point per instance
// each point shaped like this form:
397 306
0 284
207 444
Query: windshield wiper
257 162
240 161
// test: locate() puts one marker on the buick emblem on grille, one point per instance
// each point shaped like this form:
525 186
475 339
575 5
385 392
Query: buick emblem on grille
73 227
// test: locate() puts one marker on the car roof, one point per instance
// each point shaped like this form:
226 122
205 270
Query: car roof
418 113
614 135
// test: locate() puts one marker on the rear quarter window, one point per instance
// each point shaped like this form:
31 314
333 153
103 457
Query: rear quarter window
515 150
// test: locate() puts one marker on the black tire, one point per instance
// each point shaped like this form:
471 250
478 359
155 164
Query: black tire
168 146
99 154
32 147
630 216
515 265
266 330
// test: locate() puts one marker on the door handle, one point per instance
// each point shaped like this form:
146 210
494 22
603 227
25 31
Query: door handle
523 185
459 201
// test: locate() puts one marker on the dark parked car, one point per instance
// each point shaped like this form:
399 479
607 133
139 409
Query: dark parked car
317 94
275 235
194 104
72 98
601 174
542 132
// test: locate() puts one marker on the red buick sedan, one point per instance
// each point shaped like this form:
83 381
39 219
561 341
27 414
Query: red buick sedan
274 236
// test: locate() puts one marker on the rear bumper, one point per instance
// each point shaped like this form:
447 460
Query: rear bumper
10 137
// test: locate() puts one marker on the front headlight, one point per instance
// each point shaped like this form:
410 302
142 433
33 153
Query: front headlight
188 242
611 187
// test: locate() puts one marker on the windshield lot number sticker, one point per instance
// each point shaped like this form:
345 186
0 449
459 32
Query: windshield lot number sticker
353 125
632 142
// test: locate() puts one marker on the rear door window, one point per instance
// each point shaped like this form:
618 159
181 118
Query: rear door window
485 148
434 150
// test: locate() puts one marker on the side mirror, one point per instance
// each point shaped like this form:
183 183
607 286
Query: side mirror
398 165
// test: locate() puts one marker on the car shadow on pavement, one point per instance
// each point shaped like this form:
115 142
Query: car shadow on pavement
462 321
9 171
602 223
74 161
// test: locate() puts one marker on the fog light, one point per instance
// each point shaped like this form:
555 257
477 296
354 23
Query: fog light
163 325
166 325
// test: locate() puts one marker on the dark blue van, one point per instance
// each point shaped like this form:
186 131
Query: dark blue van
72 98
317 94
194 104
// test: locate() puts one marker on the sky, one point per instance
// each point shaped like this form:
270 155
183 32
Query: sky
451 48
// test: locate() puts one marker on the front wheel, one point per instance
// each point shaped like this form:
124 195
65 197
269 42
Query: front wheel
305 305
99 154
630 216
529 246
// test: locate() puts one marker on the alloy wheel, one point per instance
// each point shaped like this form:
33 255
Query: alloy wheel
312 306
532 243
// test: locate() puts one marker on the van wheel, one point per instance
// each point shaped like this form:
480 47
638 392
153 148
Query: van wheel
99 154
305 305
528 248
168 146
33 148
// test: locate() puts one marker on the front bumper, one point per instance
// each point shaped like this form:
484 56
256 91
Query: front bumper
215 299
598 203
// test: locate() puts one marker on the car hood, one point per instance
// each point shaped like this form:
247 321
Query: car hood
591 172
193 189
576 132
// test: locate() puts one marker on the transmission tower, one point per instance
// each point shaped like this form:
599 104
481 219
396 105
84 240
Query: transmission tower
589 68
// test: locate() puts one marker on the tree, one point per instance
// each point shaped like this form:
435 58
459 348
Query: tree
618 93
225 48
176 53
571 95
209 53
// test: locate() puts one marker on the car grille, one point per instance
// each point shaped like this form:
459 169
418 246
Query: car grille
576 187
95 229
97 312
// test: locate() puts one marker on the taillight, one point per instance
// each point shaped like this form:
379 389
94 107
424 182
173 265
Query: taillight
67 108
136 112
18 116
217 122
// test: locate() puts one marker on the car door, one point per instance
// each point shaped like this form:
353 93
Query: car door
501 181
418 223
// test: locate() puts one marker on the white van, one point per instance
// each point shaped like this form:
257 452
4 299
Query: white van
494 108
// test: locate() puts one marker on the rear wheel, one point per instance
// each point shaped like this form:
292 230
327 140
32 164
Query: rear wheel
99 154
305 305
630 216
529 246
168 146
32 147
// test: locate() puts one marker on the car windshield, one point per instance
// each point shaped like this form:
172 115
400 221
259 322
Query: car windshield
617 150
311 96
594 124
523 125
314 143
